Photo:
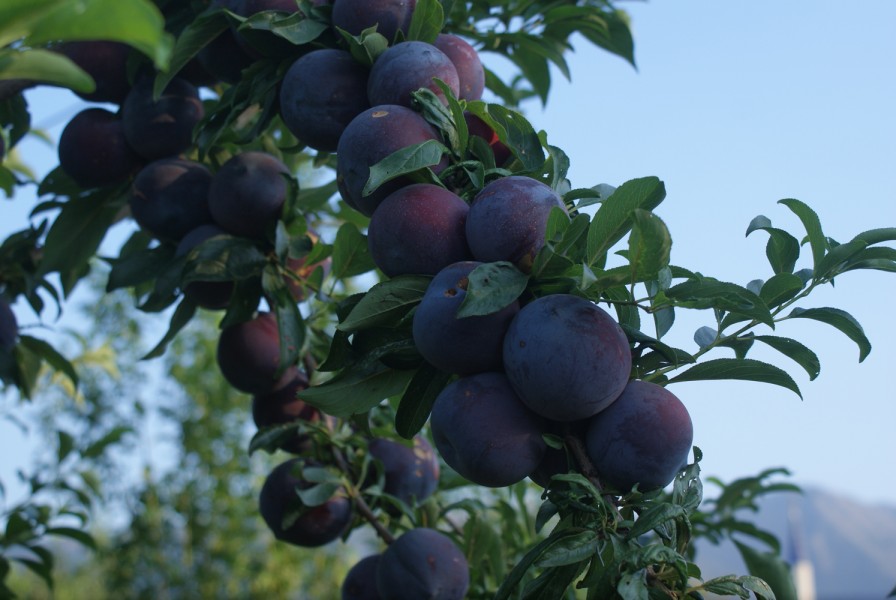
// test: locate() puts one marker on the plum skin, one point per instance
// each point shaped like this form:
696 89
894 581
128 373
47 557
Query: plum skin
369 138
106 62
249 355
566 357
422 563
360 581
282 406
464 346
321 93
93 149
483 431
9 327
643 438
508 218
389 16
169 197
411 472
163 127
316 526
407 67
247 194
418 229
470 74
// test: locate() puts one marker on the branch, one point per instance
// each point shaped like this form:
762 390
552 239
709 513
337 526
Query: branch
362 506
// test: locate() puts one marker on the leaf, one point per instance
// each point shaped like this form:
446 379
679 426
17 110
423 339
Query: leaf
654 517
351 255
706 292
780 288
817 239
182 315
357 389
571 550
614 217
633 586
194 37
66 445
649 245
740 369
828 266
791 348
139 266
409 159
317 495
290 325
771 569
82 537
417 400
512 580
782 249
46 67
491 287
51 356
514 131
427 21
96 448
386 303
839 319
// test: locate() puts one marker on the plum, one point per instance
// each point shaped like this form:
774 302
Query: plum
169 197
470 74
321 93
566 357
315 525
282 406
407 67
249 355
247 194
481 129
508 218
224 58
422 563
389 16
464 346
93 150
418 229
9 327
483 431
411 472
642 438
369 138
211 295
163 127
360 581
106 62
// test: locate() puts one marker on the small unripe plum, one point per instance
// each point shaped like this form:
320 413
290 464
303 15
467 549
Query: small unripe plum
360 581
247 194
481 129
407 67
389 16
9 327
93 150
316 525
163 127
566 357
106 62
249 355
418 229
643 438
411 472
211 295
470 74
464 346
369 138
321 93
169 197
281 406
423 563
508 218
483 431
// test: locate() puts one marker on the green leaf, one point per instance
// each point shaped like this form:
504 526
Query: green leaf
427 21
46 67
817 240
290 325
137 23
633 586
66 445
357 389
649 245
780 288
782 249
770 568
876 236
114 436
351 255
512 580
491 287
182 315
51 356
615 216
791 348
195 36
139 267
82 537
828 266
296 28
706 292
386 302
839 319
654 517
317 495
570 550
514 131
739 369
409 159
417 400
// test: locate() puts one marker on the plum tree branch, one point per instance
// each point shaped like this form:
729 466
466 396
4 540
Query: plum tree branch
360 505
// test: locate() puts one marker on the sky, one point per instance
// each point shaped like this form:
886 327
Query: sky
734 105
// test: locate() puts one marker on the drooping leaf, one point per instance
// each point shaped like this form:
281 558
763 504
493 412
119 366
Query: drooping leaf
351 255
739 369
491 287
614 217
46 67
839 319
357 390
386 302
410 159
706 292
649 245
771 569
817 240
195 36
48 353
427 21
791 348
182 315
417 400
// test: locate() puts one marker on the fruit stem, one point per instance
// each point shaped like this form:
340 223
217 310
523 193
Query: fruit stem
360 505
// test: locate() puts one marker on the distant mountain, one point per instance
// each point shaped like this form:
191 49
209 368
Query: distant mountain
851 545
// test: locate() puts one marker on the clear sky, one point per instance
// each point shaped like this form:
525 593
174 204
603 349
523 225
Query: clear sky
735 105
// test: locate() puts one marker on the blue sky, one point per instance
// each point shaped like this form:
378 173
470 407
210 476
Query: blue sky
735 105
